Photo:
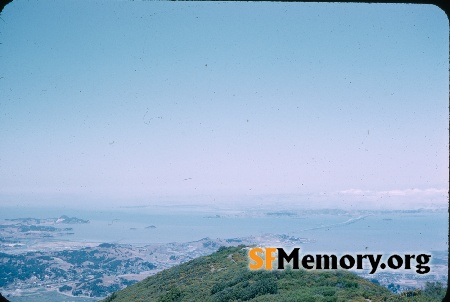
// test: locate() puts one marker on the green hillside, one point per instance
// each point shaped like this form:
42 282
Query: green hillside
224 276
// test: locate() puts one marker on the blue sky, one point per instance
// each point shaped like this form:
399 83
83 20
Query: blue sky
132 100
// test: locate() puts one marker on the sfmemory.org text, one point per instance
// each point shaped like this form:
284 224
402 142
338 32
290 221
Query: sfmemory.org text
263 258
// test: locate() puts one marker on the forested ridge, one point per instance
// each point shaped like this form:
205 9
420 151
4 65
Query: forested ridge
224 276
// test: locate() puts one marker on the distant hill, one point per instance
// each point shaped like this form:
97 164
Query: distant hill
70 220
224 276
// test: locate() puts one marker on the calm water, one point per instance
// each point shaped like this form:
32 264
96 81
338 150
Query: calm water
49 296
379 232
